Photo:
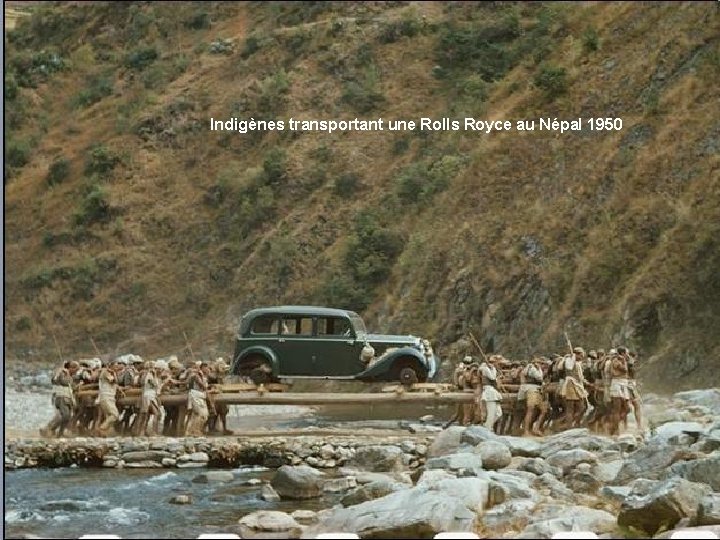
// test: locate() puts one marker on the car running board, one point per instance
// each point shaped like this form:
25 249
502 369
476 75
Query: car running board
318 378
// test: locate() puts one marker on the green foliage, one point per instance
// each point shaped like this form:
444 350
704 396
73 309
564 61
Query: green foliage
401 145
141 58
10 86
395 30
17 152
346 185
97 88
483 50
162 73
362 94
274 166
94 207
23 324
83 277
364 56
273 94
101 160
200 20
372 249
552 80
31 68
418 182
252 45
280 252
590 40
342 291
58 171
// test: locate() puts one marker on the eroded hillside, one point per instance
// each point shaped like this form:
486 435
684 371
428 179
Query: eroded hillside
128 222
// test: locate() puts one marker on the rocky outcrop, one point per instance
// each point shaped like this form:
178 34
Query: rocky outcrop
568 518
372 490
708 512
663 506
494 454
446 442
378 458
704 469
269 524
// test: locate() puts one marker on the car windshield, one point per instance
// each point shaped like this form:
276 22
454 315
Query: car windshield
358 324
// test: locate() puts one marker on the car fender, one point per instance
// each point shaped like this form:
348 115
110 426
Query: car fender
267 352
386 362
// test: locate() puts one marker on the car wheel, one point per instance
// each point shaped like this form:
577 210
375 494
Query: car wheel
408 376
261 374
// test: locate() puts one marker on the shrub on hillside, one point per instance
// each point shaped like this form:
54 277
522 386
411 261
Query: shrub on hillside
94 207
395 30
590 40
141 58
97 88
362 97
101 160
58 171
552 80
200 20
342 291
346 185
252 45
273 90
17 152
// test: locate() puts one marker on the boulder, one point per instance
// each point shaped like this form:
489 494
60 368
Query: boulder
379 458
410 513
607 471
675 429
649 461
144 465
214 477
708 398
268 494
705 470
663 507
495 455
536 466
574 439
568 459
510 515
512 486
181 499
147 455
474 435
570 518
373 490
472 492
708 512
554 487
269 524
446 442
363 477
615 493
300 482
336 485
432 477
521 446
456 462
582 482
304 517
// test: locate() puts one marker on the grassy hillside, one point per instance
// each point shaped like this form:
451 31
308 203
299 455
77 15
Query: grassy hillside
129 222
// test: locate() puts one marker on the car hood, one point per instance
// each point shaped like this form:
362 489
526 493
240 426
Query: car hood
392 340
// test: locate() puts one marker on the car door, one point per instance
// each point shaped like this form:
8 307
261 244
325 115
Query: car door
295 345
338 349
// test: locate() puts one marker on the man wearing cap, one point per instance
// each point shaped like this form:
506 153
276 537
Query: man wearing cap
619 392
490 396
63 399
461 380
172 384
149 404
531 380
219 411
197 400
108 389
573 389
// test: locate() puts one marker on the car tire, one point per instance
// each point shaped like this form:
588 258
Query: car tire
408 376
260 375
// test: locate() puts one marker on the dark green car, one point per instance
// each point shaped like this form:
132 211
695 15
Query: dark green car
323 343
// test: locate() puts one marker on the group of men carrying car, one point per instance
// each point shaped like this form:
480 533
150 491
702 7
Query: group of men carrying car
85 396
596 390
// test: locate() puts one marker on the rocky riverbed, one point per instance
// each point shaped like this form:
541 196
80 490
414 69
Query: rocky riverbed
460 479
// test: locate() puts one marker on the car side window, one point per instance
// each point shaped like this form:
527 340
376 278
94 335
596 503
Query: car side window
334 326
266 324
297 326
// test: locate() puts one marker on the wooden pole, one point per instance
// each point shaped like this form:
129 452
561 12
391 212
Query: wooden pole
97 351
187 344
475 341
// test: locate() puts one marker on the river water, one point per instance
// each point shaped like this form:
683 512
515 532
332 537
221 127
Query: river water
133 503
66 503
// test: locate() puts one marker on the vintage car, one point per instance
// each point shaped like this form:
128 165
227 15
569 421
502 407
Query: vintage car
323 343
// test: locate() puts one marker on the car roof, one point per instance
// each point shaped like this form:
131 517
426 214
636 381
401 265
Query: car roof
301 310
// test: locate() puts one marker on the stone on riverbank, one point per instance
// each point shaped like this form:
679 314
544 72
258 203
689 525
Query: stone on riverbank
301 482
370 491
214 477
446 442
181 499
494 454
708 512
268 494
269 524
380 458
